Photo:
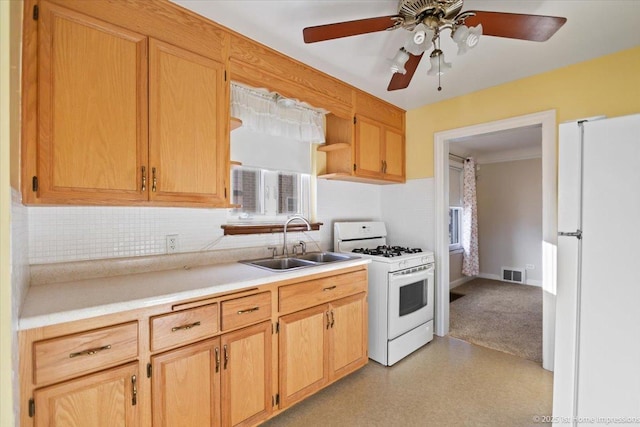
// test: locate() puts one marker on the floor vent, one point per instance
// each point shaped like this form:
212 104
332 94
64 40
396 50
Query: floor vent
513 275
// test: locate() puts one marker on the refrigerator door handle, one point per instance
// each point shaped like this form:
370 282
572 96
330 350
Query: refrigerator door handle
577 233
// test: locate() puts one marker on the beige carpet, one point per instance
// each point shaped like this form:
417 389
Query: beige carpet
499 315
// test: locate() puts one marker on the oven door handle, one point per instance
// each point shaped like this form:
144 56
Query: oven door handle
422 274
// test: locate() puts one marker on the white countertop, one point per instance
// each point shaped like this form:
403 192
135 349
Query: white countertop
50 304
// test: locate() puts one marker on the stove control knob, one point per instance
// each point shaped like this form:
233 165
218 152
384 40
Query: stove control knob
424 259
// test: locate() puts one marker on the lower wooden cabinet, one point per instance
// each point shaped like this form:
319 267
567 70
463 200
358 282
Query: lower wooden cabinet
232 360
105 399
220 381
186 386
321 344
246 375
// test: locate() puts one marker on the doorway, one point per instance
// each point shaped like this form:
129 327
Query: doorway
547 119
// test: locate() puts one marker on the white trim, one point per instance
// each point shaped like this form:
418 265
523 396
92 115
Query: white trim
527 282
549 225
461 281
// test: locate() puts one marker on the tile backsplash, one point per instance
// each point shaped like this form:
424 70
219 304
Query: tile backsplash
63 234
59 234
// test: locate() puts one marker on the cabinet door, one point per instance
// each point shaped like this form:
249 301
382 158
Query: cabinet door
394 155
92 109
105 399
246 375
368 147
303 353
186 386
348 335
188 149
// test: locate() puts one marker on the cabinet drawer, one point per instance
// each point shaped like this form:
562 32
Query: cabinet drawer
246 310
315 292
72 355
183 327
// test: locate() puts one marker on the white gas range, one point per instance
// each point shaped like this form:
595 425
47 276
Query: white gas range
401 290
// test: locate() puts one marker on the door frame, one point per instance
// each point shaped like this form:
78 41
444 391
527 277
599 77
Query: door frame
549 218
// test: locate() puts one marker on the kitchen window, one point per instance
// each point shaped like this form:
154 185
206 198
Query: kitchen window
265 195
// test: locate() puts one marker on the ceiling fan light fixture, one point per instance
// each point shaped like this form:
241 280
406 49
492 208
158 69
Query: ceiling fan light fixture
419 40
438 65
399 60
466 38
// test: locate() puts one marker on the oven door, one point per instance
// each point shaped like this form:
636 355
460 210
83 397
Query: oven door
410 299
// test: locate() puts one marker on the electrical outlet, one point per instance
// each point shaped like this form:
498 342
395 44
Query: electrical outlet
530 267
172 243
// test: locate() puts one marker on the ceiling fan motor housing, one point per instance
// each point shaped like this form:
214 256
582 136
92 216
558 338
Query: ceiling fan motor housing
415 11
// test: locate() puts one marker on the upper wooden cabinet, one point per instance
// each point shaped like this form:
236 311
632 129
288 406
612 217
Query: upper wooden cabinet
187 156
379 150
92 109
364 150
123 118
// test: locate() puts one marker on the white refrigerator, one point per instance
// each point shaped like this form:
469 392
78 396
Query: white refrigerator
597 359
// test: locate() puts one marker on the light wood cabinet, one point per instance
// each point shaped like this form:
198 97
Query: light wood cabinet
123 118
187 157
92 110
321 344
364 150
348 330
104 399
220 381
246 375
231 359
303 350
186 386
379 150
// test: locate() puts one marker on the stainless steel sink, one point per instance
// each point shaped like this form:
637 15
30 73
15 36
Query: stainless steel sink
323 257
299 261
279 264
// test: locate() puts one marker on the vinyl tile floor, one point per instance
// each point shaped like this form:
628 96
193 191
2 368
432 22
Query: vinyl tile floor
448 382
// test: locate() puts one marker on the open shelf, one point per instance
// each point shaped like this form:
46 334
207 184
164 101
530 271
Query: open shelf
235 123
333 147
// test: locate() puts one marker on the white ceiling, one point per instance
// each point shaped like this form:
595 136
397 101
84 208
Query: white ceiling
594 28
510 144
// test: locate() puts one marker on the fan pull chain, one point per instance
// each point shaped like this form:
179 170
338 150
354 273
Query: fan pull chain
439 74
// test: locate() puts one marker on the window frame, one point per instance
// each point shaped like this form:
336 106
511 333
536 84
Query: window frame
268 182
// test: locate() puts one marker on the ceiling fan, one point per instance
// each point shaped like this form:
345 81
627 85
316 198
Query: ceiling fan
425 20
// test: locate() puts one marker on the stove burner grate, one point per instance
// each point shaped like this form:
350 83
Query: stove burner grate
387 251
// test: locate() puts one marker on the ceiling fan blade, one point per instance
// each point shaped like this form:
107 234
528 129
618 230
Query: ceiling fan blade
536 28
346 29
401 81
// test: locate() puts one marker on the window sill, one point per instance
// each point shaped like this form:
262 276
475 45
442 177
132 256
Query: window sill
454 251
235 229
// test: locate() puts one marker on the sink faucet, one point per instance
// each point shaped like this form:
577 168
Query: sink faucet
285 252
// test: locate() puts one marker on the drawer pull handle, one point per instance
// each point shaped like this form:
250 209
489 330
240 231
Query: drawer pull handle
249 310
217 359
330 288
185 327
90 352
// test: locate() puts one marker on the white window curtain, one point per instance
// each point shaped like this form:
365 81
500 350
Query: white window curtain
470 260
269 113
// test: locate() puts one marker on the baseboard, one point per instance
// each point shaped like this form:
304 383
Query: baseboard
528 282
460 281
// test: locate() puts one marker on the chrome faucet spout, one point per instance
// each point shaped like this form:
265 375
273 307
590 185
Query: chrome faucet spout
285 251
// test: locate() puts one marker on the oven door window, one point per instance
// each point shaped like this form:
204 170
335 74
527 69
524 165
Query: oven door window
413 297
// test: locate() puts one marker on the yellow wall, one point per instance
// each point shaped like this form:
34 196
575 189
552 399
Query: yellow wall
6 329
609 85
